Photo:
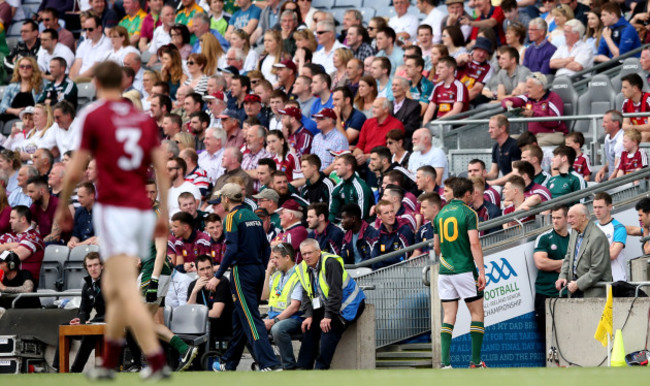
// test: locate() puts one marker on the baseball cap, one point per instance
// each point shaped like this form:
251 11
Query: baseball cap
230 190
26 110
230 70
268 194
291 205
292 111
227 113
215 95
9 257
325 113
484 44
261 212
252 98
287 64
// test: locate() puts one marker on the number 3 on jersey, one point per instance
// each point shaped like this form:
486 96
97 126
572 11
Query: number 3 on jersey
134 154
445 233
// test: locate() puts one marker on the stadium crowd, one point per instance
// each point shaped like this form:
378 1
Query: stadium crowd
321 126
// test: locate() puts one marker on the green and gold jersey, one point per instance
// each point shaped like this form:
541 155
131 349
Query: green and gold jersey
451 225
133 24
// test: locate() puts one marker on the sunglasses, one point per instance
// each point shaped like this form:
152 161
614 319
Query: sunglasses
89 29
190 63
48 19
371 28
321 32
25 66
175 168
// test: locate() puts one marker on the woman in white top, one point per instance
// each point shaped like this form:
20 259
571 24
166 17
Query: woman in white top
273 53
239 39
120 41
149 78
196 79
18 130
594 30
561 14
42 135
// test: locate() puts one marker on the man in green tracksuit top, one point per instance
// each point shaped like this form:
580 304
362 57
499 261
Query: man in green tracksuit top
351 189
455 239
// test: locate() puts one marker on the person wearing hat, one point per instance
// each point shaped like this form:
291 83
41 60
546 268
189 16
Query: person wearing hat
329 139
231 123
488 16
474 69
287 72
456 11
247 255
16 139
271 230
253 109
293 232
539 52
216 103
268 200
539 101
15 281
299 138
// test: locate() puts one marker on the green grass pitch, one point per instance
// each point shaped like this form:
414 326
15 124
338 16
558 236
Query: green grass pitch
460 377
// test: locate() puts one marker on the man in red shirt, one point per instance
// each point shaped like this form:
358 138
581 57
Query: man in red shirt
636 101
374 130
474 69
24 241
124 143
43 208
450 96
187 243
488 16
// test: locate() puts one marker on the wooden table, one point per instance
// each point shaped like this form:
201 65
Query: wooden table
68 331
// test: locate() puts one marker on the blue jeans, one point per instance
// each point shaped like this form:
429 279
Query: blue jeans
281 333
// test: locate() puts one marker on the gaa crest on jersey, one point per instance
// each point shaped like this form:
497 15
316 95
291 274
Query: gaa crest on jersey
395 245
553 247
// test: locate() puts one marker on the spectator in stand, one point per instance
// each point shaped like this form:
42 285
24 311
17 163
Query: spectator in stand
187 243
24 241
510 80
83 232
366 95
92 50
619 36
425 154
539 101
172 67
293 232
430 204
108 16
474 69
575 54
434 18
380 163
50 19
328 235
287 161
453 40
633 158
180 39
50 49
513 193
476 168
176 169
25 87
484 209
326 35
246 18
513 15
380 69
255 151
566 180
395 143
406 110
354 71
317 188
534 155
153 20
132 21
187 204
320 87
374 130
359 235
539 53
356 40
219 301
329 139
612 125
387 48
550 249
515 38
420 87
19 195
395 195
594 30
43 208
487 16
455 11
535 194
450 96
403 24
351 189
232 158
425 179
616 235
28 45
635 101
195 174
16 281
394 234
349 120
576 140
504 152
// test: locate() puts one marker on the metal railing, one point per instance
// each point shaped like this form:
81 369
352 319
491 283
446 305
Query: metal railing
23 295
577 78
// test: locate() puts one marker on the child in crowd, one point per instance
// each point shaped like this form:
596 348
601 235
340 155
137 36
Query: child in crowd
581 165
632 158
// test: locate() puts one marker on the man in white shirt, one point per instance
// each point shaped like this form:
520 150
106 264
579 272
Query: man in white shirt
161 35
425 154
433 19
51 48
326 35
210 159
68 133
616 235
90 51
574 55
613 126
404 24
176 169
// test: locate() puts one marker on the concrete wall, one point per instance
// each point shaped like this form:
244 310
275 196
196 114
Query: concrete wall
639 270
576 321
357 347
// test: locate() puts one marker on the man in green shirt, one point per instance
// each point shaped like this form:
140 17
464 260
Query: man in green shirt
550 248
132 21
456 242
351 189
567 181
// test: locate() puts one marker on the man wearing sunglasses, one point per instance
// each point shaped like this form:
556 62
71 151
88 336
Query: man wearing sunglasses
28 45
91 50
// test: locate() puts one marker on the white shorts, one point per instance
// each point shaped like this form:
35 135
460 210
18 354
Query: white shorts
121 230
458 286
163 287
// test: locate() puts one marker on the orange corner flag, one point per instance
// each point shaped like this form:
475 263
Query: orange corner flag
606 325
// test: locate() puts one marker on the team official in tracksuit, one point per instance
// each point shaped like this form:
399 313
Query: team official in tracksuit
331 301
247 253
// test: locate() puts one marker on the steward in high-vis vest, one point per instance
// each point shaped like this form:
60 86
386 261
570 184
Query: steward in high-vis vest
283 291
331 302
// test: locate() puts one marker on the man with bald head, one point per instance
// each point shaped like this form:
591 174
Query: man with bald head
587 260
374 130
425 154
